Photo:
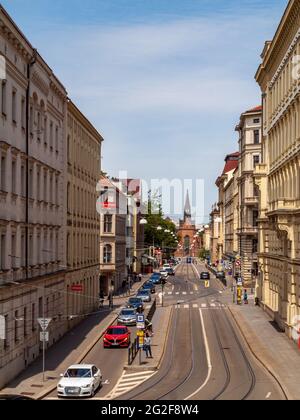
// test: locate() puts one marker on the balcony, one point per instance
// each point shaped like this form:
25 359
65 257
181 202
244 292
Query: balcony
251 201
248 230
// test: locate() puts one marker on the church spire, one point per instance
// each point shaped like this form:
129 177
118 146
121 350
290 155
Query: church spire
187 208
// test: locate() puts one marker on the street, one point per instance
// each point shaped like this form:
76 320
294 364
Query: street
205 357
185 374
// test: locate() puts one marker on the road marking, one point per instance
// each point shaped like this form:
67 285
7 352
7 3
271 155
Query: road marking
268 395
195 305
212 305
203 305
128 382
191 293
173 287
169 293
186 306
208 358
220 292
196 288
184 293
106 382
177 293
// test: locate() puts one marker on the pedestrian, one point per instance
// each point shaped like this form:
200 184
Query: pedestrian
246 297
101 298
147 346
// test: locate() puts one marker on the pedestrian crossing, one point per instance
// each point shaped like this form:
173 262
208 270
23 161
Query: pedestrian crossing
128 382
200 306
173 293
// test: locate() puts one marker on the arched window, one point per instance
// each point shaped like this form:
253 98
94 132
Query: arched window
107 255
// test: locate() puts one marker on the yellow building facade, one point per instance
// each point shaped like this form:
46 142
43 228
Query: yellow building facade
278 177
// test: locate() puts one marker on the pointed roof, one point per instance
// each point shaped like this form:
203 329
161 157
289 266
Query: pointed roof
187 207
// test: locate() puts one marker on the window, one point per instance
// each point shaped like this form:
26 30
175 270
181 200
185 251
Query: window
107 256
45 186
33 317
3 170
14 107
255 218
256 137
13 251
40 307
45 131
13 177
254 246
108 223
16 326
31 120
2 251
51 135
5 332
56 139
256 121
3 97
256 160
23 181
38 184
23 262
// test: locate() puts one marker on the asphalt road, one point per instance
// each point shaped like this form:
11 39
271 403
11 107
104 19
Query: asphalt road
206 358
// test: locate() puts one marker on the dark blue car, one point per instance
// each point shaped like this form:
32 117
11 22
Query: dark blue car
149 286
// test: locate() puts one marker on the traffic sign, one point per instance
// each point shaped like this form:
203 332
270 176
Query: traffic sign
140 334
44 323
44 336
140 321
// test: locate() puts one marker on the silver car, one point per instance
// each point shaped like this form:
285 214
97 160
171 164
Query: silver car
127 317
144 295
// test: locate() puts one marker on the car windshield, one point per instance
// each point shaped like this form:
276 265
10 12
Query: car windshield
78 373
143 292
128 312
117 331
148 286
134 300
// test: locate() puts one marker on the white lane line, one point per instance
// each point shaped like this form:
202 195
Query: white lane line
203 305
196 288
186 306
173 287
191 293
146 372
195 305
169 293
184 293
177 293
208 358
212 305
268 396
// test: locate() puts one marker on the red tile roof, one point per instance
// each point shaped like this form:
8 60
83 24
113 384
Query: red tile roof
256 109
232 162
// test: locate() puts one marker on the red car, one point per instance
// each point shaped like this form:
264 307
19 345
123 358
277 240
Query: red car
116 336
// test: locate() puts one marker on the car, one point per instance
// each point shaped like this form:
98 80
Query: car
135 303
170 271
205 276
220 275
144 295
164 274
166 266
117 336
79 381
149 286
127 317
155 278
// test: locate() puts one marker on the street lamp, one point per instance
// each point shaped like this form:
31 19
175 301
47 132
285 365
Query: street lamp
159 228
143 221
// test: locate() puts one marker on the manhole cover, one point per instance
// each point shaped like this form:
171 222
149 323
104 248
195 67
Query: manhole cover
27 393
36 386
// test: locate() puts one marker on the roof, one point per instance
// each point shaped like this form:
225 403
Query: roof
255 109
232 162
83 366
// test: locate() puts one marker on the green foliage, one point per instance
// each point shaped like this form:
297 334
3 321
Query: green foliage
203 254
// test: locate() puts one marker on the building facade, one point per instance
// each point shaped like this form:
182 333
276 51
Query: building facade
278 176
83 221
190 241
231 216
32 195
249 129
113 269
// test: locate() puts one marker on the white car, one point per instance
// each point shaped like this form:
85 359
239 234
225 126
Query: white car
164 274
79 381
166 266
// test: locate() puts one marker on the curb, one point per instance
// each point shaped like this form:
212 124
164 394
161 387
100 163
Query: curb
265 365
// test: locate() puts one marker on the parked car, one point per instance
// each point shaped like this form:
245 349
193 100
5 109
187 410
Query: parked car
149 286
144 295
116 336
135 303
220 275
166 266
155 278
80 381
127 317
170 271
205 276
164 274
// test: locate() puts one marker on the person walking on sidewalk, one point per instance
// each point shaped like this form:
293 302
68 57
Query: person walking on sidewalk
246 297
147 346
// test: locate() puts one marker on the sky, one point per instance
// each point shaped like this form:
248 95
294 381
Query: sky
164 81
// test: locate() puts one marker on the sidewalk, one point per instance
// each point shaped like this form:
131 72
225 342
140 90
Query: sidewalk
161 323
271 347
71 349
